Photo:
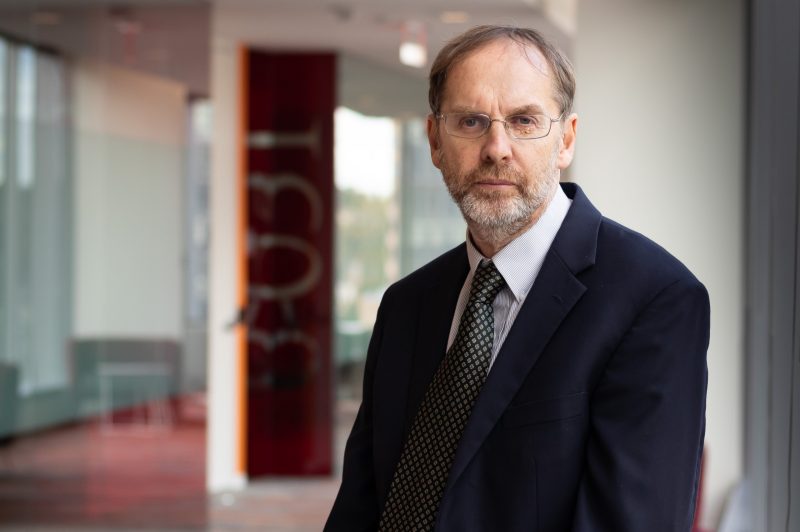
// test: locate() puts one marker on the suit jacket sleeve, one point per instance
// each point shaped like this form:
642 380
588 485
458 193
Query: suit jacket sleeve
648 420
356 507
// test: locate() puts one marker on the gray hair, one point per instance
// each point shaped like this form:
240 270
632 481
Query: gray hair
461 46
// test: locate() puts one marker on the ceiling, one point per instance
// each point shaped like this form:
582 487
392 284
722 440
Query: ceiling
374 29
172 38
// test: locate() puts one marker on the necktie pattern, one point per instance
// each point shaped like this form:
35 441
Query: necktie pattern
421 474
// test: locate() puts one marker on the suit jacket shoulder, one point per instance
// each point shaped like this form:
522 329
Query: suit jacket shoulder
603 252
445 267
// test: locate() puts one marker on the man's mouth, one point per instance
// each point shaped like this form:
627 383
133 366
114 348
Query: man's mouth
490 186
494 183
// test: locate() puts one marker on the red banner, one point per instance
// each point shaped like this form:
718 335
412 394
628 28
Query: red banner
289 165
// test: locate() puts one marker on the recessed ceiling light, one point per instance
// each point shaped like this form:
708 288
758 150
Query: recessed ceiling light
413 54
413 44
454 17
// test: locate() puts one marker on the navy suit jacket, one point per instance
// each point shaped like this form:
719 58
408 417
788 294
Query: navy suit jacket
593 414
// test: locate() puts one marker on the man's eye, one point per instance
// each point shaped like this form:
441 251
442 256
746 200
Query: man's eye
470 122
525 121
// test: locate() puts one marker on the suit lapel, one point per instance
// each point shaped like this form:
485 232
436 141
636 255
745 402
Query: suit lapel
554 293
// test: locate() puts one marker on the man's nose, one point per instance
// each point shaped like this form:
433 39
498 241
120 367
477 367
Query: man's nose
496 143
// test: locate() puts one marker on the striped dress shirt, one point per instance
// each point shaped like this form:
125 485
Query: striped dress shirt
519 262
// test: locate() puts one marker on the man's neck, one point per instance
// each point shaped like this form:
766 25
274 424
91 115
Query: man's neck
489 243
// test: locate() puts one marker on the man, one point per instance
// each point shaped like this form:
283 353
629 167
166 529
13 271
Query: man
550 373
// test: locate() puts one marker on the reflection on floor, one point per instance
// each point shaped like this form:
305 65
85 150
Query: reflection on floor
85 477
129 475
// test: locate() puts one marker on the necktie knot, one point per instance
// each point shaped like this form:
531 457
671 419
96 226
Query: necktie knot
487 283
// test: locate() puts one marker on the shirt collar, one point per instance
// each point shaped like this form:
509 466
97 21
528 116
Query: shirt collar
521 259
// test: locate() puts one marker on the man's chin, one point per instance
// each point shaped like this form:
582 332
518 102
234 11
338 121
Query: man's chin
494 214
494 201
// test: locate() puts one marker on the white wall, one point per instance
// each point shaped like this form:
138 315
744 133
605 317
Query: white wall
660 149
128 163
223 430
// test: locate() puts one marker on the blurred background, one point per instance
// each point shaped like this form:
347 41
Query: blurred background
202 202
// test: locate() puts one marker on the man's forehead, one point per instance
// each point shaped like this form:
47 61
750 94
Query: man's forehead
504 46
493 63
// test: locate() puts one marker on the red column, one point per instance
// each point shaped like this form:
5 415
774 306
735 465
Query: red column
290 100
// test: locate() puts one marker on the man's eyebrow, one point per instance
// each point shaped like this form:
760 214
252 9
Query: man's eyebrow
531 109
465 109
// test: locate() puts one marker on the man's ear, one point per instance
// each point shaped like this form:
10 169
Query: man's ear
567 150
432 126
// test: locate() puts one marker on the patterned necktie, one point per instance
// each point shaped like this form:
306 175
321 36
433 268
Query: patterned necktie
421 474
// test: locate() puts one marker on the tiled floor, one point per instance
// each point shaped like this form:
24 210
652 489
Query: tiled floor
85 478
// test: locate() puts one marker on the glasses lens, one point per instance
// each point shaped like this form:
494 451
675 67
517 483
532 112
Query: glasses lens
529 126
467 125
474 125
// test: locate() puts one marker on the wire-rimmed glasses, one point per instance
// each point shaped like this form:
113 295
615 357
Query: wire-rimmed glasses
474 125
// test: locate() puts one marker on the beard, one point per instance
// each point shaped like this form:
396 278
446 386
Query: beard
495 214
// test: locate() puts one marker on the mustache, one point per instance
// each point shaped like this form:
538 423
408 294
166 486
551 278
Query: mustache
494 172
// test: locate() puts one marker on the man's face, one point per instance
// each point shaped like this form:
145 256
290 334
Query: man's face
501 183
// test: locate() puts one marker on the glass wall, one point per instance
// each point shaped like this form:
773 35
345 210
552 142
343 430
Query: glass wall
367 228
393 215
196 242
104 142
35 238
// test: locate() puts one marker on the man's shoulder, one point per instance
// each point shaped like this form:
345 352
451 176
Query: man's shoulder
613 250
446 266
633 254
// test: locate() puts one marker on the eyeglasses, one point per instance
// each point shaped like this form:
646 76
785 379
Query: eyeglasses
474 125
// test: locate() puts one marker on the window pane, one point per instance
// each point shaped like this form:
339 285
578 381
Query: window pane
5 325
366 233
25 112
49 222
3 92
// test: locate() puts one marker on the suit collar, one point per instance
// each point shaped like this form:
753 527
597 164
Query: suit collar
576 241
